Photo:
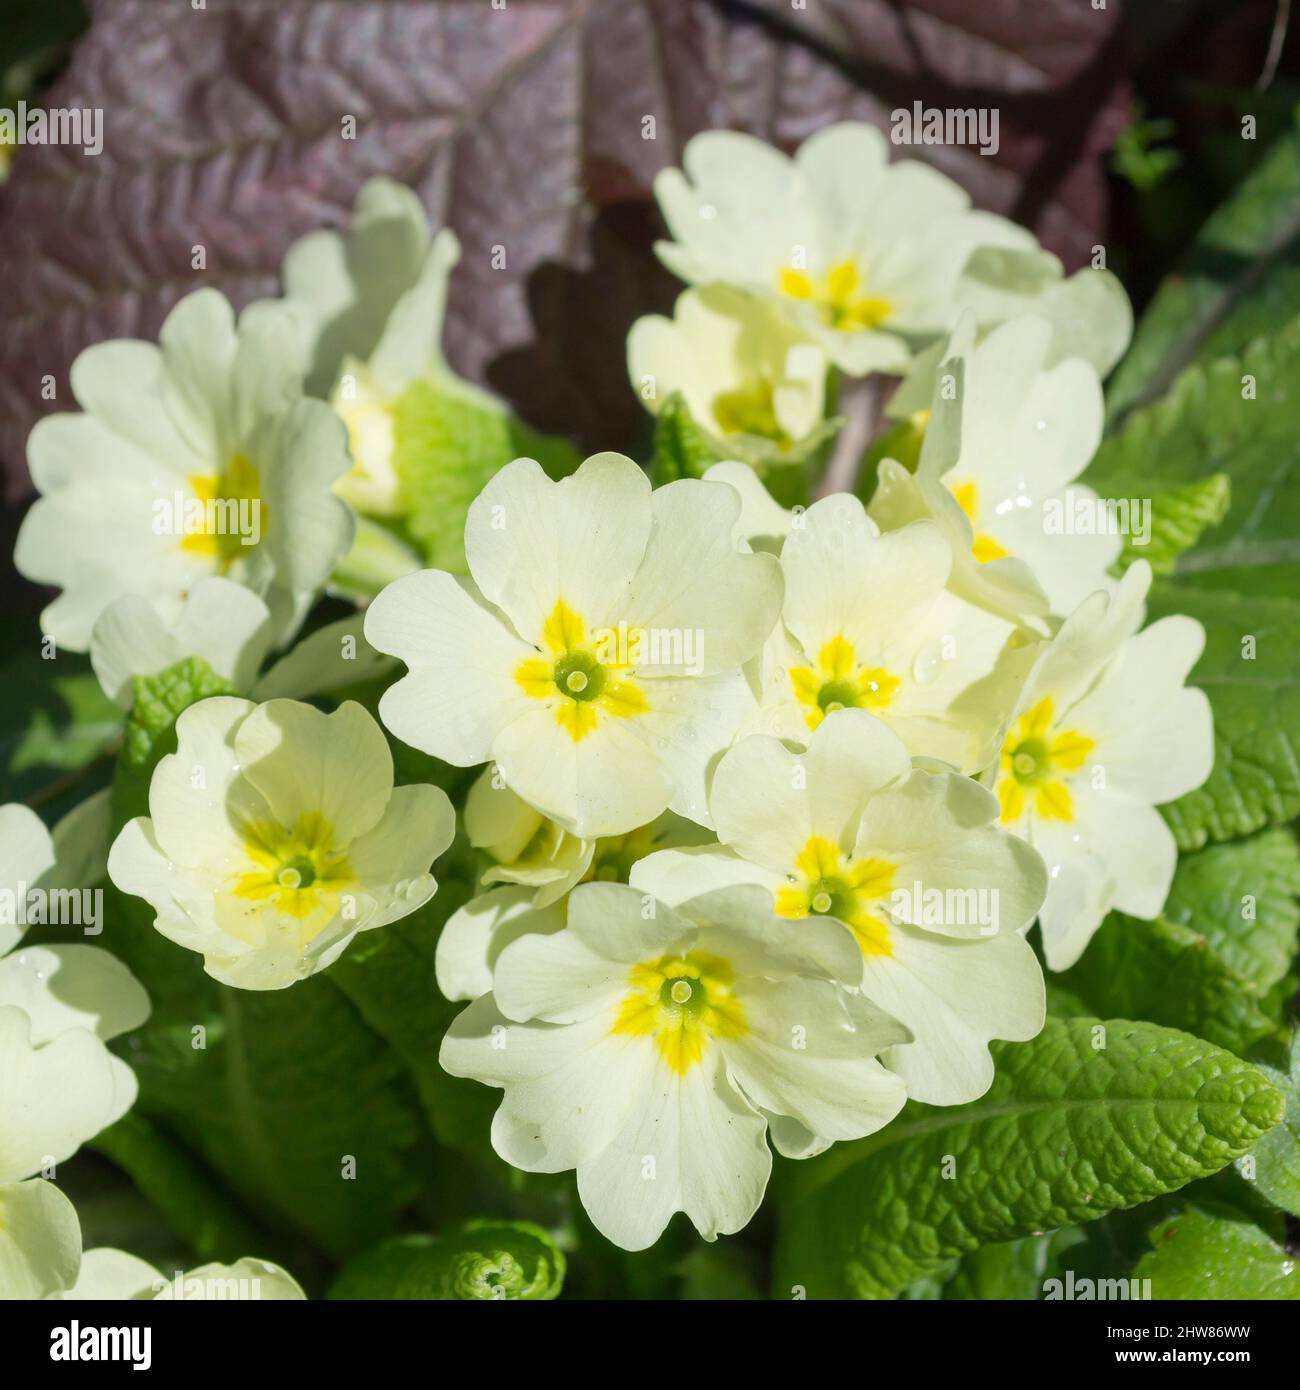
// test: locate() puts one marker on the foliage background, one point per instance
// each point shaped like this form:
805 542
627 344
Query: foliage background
522 127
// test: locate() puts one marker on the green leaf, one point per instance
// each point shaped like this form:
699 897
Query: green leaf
1241 279
54 720
1014 1269
1241 897
150 733
1217 1253
317 1126
478 1260
184 1193
1274 1163
1178 517
1086 1118
448 440
1126 970
1235 416
389 976
682 448
1251 671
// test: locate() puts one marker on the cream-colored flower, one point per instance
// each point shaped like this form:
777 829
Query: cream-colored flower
275 834
868 623
936 898
1029 427
595 655
652 1048
1104 731
871 258
374 298
59 1005
749 377
199 456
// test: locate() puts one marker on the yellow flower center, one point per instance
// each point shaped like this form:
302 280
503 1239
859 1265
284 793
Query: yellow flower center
1033 757
838 297
227 501
299 871
682 1002
985 547
578 686
839 681
827 883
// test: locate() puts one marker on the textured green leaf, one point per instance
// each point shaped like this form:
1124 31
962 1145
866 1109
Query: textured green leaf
1241 279
447 442
1217 1253
1178 517
1239 416
1251 671
150 732
1275 1169
478 1260
682 448
1126 973
1069 1130
1242 898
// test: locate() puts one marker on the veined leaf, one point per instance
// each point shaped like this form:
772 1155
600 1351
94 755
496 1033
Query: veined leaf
1086 1118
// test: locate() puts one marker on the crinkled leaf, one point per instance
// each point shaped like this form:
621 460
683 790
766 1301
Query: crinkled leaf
150 732
1250 669
1126 970
491 1261
1274 1163
1178 517
1086 1118
1242 898
1239 416
1217 1253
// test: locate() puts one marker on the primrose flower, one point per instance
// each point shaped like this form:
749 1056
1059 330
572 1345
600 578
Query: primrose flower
41 1257
749 377
595 654
866 256
1104 731
198 456
275 834
373 300
231 629
869 624
1027 431
935 897
651 1048
59 1007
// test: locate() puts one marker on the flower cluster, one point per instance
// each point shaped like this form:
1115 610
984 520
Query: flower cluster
772 789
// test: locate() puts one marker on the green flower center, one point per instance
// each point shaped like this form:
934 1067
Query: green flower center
831 897
579 676
299 872
1029 760
837 695
683 993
